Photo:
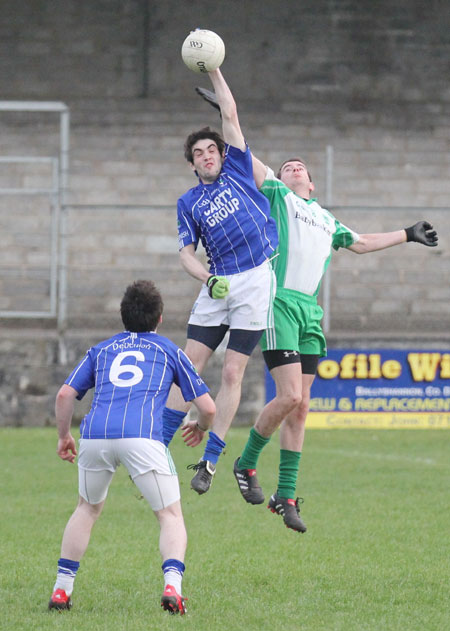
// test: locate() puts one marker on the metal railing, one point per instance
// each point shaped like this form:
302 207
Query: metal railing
56 191
53 194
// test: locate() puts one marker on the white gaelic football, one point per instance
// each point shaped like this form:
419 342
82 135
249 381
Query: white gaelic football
203 51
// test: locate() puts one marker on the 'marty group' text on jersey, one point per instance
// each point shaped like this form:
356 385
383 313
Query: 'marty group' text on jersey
307 233
132 374
230 217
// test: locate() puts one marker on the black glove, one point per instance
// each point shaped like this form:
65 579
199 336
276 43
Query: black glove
422 232
210 97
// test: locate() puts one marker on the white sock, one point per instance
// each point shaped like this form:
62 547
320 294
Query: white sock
64 582
174 578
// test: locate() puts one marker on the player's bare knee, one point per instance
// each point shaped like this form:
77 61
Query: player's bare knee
291 398
297 417
92 511
170 514
286 402
232 375
303 407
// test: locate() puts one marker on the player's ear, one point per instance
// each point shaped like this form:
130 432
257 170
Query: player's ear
311 187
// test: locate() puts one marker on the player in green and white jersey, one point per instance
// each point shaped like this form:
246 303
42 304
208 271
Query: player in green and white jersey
307 235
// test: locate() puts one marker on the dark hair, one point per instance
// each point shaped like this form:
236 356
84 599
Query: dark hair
205 132
294 160
141 306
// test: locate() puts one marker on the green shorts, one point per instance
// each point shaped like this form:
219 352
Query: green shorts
297 327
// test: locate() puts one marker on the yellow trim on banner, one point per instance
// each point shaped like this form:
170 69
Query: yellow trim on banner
377 420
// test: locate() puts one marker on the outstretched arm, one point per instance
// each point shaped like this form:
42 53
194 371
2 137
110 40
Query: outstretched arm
421 232
231 129
259 168
378 241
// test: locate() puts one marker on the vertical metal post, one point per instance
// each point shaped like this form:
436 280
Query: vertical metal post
145 47
326 284
54 245
64 181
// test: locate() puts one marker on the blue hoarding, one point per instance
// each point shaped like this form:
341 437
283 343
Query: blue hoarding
380 388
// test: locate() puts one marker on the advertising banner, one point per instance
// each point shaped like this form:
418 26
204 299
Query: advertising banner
382 388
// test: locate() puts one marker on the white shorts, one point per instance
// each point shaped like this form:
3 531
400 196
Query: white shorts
248 306
148 462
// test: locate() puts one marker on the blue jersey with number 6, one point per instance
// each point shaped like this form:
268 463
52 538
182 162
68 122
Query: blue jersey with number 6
132 374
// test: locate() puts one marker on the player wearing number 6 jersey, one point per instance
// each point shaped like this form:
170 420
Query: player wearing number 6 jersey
131 373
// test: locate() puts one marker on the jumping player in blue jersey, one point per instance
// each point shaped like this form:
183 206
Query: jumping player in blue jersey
231 218
131 374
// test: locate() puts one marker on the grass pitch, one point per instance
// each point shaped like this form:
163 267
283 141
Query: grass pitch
376 554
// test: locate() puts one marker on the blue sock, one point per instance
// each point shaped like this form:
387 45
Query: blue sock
214 448
173 573
172 420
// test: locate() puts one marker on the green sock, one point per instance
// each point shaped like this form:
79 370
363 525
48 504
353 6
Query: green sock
287 479
252 449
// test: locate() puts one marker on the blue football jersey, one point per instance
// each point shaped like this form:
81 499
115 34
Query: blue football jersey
132 374
230 217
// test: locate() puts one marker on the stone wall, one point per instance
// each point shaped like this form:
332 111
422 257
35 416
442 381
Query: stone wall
362 51
369 79
390 298
107 247
31 374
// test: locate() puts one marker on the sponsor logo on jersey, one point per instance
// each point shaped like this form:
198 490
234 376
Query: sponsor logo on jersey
310 222
220 207
121 346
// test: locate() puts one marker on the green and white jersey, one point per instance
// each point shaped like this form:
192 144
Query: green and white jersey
307 233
